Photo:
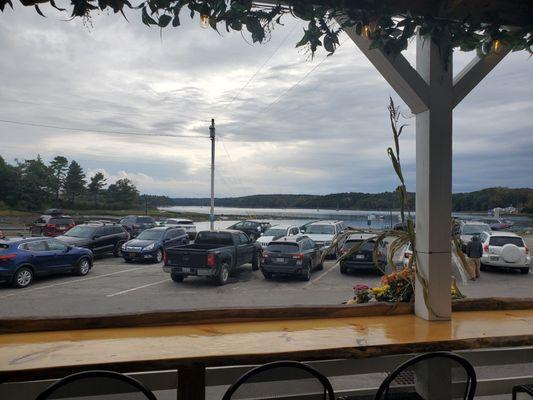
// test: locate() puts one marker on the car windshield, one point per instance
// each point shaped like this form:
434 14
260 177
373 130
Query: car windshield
368 246
503 240
144 220
285 248
61 221
275 232
221 238
320 229
475 229
150 235
81 231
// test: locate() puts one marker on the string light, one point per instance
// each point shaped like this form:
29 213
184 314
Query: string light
496 46
366 31
204 20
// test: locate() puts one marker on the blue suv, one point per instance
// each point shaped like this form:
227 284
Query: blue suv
21 260
151 244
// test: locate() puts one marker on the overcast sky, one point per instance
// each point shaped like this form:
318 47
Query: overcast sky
327 134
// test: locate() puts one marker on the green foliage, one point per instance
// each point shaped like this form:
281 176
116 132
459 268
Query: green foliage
122 192
74 182
96 185
384 23
58 167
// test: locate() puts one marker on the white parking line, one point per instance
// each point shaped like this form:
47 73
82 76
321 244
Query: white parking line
137 288
313 281
84 279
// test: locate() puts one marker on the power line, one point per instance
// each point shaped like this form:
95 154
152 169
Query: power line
101 131
259 69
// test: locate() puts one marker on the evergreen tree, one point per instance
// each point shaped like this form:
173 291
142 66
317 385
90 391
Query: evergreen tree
58 166
74 181
35 184
123 193
96 185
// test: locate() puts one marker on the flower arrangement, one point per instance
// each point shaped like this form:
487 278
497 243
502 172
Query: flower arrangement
395 287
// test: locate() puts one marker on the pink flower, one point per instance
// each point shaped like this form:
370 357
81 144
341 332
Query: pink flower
360 288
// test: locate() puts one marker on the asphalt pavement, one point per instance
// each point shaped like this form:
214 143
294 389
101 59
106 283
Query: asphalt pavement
114 286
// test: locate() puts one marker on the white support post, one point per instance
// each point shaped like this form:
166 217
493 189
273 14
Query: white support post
434 183
474 72
396 70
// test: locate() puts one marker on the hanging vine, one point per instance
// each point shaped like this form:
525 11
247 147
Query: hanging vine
388 24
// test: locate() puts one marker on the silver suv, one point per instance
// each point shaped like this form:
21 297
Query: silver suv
325 232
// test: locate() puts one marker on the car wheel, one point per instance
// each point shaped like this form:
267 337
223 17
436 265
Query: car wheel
267 275
524 270
83 267
223 274
306 274
159 256
23 278
177 277
255 261
128 260
343 269
117 252
482 267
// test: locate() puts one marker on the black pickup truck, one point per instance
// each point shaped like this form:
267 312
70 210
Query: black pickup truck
215 254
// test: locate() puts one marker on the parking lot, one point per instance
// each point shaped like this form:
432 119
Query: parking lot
114 286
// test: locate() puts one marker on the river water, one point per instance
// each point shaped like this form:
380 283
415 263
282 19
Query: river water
354 218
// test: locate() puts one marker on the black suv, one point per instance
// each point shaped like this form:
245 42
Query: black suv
101 238
136 224
253 229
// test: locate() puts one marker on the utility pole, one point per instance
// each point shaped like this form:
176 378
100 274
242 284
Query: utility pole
212 212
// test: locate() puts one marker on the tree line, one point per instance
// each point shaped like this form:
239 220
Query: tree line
482 200
32 185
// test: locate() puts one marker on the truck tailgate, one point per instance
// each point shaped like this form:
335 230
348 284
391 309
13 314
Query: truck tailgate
187 258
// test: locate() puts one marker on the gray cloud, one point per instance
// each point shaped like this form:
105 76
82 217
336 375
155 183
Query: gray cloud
327 134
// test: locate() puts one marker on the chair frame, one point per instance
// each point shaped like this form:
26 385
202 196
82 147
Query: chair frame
280 364
97 374
471 382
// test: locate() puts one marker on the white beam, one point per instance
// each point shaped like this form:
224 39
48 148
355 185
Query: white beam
475 72
397 71
434 183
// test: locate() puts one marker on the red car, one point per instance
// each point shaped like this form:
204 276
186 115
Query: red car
58 226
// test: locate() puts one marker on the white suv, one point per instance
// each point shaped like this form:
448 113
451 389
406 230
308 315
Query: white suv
276 232
324 233
504 250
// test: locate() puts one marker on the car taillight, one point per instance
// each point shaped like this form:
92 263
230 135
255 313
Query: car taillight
264 255
211 260
486 248
7 257
298 256
527 250
165 258
49 226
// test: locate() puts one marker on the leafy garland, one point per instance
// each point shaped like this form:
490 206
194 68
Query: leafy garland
388 29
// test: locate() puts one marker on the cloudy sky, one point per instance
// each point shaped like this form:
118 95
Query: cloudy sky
299 126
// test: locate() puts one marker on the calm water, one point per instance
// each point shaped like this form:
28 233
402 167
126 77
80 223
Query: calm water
355 218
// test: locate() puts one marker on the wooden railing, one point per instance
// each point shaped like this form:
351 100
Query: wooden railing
223 376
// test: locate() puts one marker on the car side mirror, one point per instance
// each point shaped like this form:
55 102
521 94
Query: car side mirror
96 237
68 249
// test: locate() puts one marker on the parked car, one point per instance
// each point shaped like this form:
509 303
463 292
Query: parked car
36 228
469 229
363 258
498 224
504 250
151 244
253 229
58 225
215 254
276 232
407 254
324 233
186 224
303 227
291 255
21 260
98 237
136 224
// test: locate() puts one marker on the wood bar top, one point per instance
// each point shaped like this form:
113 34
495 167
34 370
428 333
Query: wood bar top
40 355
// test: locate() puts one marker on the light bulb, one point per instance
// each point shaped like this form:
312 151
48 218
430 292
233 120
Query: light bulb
496 46
204 20
366 31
